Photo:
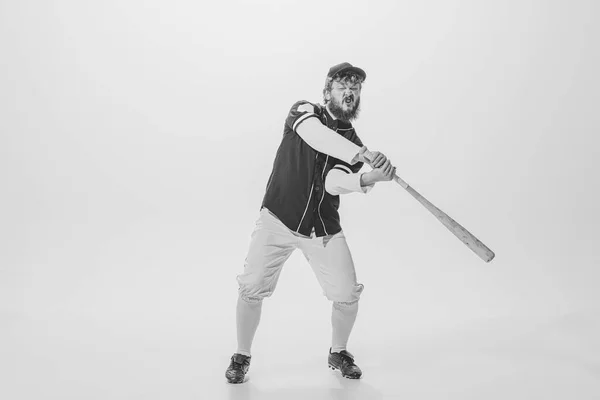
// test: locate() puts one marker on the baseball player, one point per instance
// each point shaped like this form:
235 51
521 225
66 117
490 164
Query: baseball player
319 158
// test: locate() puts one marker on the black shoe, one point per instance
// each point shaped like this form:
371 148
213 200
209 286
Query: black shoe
237 368
344 361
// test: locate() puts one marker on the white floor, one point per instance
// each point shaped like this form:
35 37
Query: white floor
143 357
134 155
132 318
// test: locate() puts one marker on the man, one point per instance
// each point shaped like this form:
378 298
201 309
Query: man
319 158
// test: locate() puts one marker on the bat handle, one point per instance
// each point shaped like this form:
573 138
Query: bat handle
400 181
369 157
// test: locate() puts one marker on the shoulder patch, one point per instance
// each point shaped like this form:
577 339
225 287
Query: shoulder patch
306 107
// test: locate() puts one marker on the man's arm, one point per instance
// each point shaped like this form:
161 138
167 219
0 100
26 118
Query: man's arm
327 141
340 180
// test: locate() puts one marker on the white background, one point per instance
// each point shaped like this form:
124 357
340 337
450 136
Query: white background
136 140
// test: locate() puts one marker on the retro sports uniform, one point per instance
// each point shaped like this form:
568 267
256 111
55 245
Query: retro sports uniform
300 211
298 205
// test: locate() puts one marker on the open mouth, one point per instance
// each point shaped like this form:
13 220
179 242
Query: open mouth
349 100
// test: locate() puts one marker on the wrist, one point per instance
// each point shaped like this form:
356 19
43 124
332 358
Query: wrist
367 179
360 156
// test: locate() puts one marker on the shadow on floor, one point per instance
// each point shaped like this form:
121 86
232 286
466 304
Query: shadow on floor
342 389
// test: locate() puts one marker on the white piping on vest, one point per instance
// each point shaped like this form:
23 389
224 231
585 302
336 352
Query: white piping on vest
322 197
308 202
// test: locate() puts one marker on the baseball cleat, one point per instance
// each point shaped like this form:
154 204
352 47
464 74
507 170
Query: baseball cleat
238 367
344 361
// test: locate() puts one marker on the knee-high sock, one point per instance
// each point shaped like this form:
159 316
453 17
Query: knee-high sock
247 319
342 320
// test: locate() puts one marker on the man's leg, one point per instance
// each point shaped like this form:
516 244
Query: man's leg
331 260
270 246
247 318
332 263
343 317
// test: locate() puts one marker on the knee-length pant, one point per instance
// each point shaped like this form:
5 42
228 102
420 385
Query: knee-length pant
271 245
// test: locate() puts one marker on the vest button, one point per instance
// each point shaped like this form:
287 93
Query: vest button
317 188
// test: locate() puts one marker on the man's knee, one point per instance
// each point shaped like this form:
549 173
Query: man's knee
253 289
251 299
347 294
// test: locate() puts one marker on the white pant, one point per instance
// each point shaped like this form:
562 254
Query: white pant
271 245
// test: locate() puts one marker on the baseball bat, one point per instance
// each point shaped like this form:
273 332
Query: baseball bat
458 230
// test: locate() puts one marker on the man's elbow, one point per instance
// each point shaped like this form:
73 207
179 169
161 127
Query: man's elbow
330 188
331 182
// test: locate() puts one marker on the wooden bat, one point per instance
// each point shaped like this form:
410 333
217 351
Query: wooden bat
464 235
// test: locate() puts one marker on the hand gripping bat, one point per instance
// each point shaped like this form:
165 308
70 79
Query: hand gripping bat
464 235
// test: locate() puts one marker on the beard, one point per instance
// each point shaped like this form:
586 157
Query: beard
338 111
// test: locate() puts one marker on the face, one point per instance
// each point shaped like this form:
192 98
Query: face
344 99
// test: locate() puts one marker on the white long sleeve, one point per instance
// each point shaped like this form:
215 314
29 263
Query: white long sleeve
327 141
339 182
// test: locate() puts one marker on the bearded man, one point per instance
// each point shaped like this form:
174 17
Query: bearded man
319 159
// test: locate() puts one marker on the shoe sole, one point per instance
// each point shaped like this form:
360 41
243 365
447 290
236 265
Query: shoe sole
344 375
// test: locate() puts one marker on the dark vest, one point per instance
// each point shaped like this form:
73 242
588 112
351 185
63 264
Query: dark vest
296 188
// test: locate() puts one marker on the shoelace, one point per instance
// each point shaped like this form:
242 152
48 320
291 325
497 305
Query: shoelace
235 363
347 360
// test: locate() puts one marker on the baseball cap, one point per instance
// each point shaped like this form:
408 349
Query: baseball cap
346 67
